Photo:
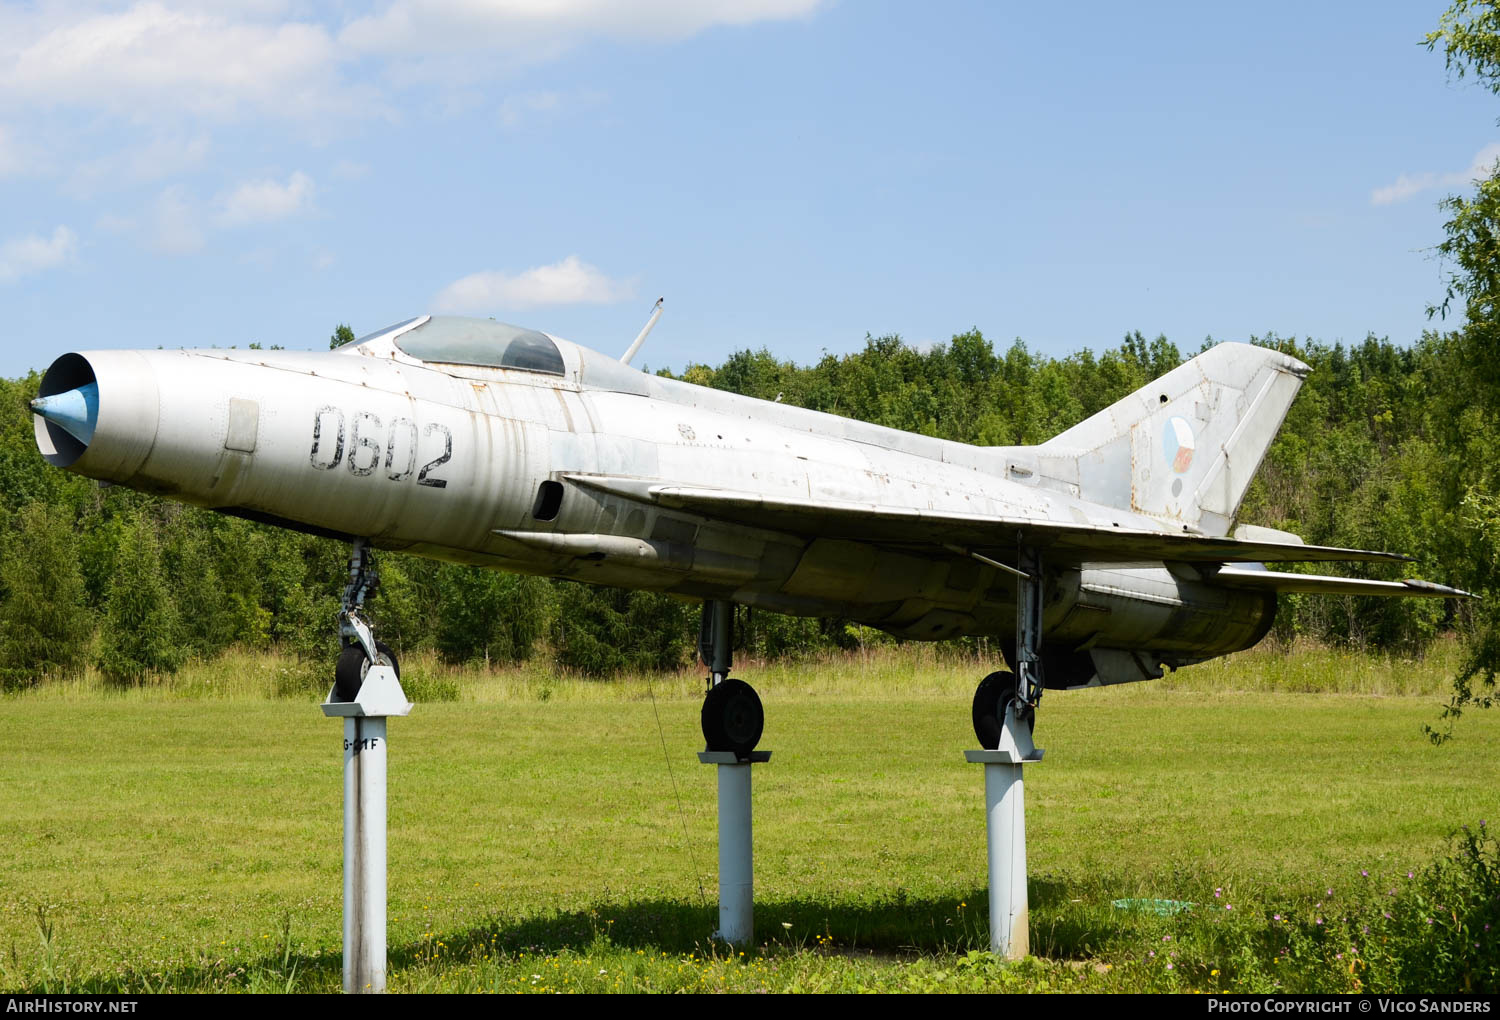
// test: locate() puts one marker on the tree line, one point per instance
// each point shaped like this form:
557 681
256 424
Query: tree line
1387 447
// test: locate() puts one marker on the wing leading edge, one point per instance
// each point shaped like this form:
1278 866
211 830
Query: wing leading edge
994 537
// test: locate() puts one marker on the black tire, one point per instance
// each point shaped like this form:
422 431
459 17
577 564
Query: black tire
994 693
733 718
353 664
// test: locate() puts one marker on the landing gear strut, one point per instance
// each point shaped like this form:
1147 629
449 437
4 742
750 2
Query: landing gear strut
1016 694
366 691
732 717
732 724
360 649
1004 712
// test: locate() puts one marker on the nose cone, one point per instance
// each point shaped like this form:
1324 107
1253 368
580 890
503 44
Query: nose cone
75 411
96 413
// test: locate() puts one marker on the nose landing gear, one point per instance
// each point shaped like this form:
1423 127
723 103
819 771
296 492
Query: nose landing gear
354 662
360 650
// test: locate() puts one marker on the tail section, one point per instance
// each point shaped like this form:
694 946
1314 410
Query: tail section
1185 447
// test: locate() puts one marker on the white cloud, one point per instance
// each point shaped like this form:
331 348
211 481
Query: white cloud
1407 185
569 282
159 157
174 226
423 36
517 109
151 59
167 59
11 158
21 256
517 25
266 200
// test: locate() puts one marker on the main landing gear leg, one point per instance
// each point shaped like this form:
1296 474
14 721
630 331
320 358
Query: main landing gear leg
732 721
1004 712
364 695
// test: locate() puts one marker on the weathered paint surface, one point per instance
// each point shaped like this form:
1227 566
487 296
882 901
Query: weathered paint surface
708 495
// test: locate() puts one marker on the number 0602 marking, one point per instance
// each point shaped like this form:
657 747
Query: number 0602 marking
366 448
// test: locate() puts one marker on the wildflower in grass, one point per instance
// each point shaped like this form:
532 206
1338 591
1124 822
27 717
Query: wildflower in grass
1330 894
1218 892
1320 920
1364 873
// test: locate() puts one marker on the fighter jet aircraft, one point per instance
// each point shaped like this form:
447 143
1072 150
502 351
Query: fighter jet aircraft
1105 555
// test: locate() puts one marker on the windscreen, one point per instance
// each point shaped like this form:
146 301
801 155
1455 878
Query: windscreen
482 342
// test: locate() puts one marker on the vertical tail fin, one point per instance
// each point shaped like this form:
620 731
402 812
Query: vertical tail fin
1185 447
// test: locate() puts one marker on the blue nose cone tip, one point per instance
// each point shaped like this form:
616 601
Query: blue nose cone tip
75 412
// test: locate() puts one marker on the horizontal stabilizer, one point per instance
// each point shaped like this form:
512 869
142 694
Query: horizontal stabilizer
939 531
1271 580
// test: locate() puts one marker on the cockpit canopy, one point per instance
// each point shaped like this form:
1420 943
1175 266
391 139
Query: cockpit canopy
453 340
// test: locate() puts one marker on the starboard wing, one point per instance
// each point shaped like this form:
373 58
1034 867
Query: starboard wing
993 537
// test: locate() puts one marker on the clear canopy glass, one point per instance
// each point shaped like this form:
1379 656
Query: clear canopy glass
483 342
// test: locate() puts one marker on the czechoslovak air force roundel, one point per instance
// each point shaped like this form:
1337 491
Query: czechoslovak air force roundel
1177 444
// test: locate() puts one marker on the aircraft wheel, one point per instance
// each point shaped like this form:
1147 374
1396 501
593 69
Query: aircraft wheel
353 664
992 696
732 717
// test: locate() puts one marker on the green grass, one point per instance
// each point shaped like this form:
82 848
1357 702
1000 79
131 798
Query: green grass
187 836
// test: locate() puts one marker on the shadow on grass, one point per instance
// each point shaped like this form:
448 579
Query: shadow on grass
893 926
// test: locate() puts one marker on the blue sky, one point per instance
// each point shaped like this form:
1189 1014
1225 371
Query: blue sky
787 173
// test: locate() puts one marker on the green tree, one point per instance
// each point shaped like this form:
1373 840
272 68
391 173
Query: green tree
141 622
341 335
44 625
1469 35
600 631
484 614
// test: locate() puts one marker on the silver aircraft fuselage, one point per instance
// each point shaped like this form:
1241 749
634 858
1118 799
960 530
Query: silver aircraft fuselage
545 472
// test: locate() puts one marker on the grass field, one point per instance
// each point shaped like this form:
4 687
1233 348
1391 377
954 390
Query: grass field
188 836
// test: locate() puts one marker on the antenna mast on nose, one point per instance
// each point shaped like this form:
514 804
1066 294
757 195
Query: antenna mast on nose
655 314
